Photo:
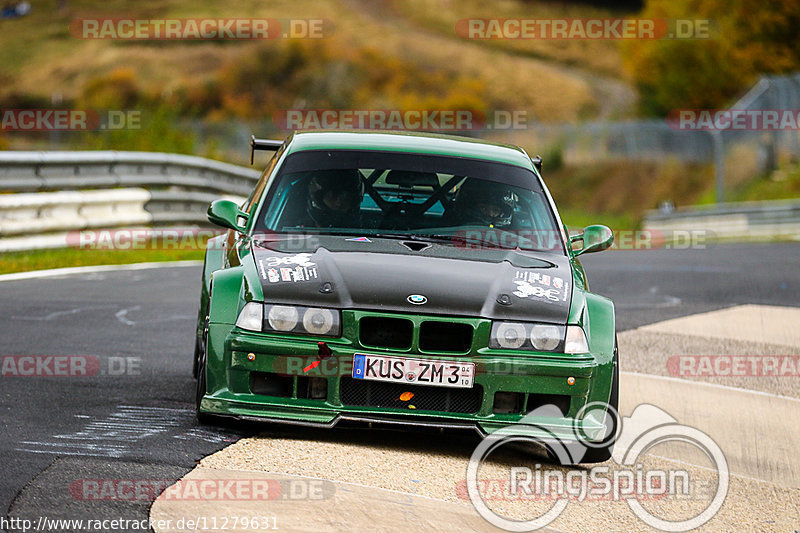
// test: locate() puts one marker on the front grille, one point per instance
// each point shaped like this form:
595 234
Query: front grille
445 337
365 393
384 332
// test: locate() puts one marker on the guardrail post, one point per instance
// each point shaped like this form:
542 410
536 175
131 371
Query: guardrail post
719 165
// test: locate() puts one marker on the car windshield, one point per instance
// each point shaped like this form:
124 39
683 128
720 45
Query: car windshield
412 196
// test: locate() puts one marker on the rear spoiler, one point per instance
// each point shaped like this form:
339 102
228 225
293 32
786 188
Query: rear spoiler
262 144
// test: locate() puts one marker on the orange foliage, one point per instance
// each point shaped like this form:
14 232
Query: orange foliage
747 39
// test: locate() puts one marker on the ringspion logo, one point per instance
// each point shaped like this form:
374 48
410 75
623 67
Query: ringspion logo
628 479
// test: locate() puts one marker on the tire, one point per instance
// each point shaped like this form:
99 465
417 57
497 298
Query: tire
200 386
196 360
198 343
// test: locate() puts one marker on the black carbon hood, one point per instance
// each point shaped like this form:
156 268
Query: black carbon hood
385 274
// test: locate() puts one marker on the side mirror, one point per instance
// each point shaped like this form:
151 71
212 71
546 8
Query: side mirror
595 239
537 162
226 213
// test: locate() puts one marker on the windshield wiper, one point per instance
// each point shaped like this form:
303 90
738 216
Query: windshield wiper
470 239
414 237
454 239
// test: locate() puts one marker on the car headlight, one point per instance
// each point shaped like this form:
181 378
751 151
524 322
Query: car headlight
302 320
282 317
527 336
510 335
251 317
545 337
318 321
576 340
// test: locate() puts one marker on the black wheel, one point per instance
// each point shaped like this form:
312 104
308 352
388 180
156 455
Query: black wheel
200 386
196 360
198 341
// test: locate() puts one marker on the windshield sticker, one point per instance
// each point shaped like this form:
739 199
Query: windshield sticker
359 239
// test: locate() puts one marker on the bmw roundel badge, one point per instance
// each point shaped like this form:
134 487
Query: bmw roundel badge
416 299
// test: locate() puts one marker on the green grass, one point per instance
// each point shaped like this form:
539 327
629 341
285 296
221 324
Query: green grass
781 184
73 257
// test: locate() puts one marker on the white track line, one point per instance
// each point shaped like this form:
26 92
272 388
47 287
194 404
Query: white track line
302 476
714 385
96 268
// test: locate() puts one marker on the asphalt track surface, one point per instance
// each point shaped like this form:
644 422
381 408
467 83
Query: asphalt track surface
134 418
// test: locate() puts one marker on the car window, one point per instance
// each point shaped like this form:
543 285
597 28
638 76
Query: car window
490 203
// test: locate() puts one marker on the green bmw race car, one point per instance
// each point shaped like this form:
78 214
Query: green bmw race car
405 278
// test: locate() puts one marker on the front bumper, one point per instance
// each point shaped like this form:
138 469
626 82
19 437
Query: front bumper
257 376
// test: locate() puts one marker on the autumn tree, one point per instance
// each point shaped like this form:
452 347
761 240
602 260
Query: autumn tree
747 38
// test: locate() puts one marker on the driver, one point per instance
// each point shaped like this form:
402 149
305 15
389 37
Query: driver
484 203
334 198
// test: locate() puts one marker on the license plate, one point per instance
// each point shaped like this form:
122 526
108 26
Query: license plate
413 371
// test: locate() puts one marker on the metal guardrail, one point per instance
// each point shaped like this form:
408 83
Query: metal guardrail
124 189
58 171
740 220
32 213
53 193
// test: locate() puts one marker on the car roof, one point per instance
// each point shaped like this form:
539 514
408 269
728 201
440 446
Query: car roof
412 142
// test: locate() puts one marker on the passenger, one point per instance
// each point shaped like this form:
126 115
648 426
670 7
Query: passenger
334 199
483 203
